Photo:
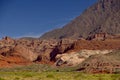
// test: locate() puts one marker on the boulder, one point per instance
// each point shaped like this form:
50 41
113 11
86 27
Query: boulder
75 58
71 59
25 53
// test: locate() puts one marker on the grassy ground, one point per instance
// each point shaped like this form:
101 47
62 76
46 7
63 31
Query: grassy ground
56 76
45 72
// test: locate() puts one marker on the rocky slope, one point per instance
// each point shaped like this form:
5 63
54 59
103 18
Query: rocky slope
68 46
76 58
33 50
104 16
65 52
108 63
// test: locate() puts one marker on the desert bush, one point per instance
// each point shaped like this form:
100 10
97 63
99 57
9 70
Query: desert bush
50 76
1 78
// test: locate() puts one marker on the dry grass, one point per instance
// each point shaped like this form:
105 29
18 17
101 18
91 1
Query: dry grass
56 76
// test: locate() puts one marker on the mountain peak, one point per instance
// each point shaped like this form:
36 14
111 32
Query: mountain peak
104 16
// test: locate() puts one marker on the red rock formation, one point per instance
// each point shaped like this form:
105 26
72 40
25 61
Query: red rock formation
101 63
45 51
24 52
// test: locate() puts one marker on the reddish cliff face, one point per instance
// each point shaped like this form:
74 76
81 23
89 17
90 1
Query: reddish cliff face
108 63
99 24
70 52
33 50
10 55
97 44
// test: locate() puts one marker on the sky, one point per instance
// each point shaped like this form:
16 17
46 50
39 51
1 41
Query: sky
32 18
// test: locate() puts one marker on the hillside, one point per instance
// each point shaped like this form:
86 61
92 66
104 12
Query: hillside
104 16
24 51
89 43
109 63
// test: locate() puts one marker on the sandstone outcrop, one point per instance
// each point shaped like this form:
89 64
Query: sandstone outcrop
24 52
46 50
108 44
103 36
102 63
75 58
10 47
64 52
71 59
7 56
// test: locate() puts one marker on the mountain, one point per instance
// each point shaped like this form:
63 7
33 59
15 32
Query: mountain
103 16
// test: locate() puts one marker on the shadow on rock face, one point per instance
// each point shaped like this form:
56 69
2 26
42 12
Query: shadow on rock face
53 54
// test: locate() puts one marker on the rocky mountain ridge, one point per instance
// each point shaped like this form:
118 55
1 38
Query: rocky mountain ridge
104 16
90 41
25 51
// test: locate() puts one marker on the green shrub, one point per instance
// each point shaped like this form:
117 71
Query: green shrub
50 76
27 75
17 78
1 78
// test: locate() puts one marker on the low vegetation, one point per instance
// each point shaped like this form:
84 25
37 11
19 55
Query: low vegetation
39 68
45 72
56 76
